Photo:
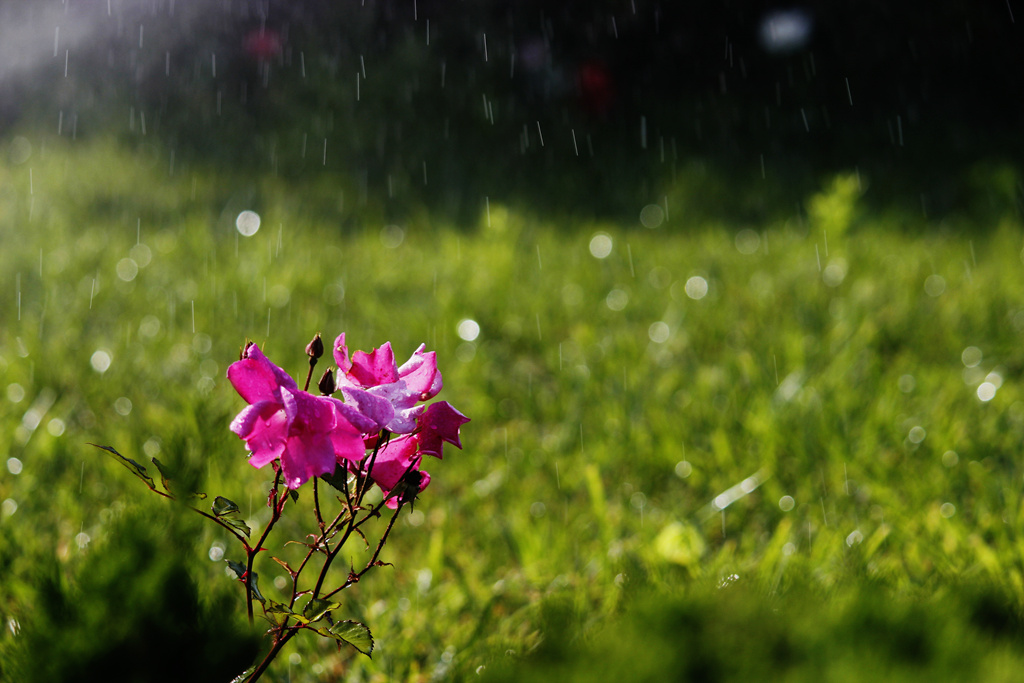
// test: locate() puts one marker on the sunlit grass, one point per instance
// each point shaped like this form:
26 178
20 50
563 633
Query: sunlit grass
825 400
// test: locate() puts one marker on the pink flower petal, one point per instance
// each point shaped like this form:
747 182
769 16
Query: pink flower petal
256 378
374 368
439 422
365 410
420 374
341 356
307 455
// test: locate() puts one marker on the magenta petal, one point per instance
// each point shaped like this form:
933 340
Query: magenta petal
307 455
267 439
392 462
374 368
443 420
341 355
256 378
348 446
244 422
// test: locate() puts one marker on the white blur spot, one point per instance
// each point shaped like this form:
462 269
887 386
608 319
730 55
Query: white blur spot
465 352
950 458
652 216
854 538
906 383
995 379
141 254
280 582
600 245
947 510
217 551
916 434
971 356
150 326
247 223
295 659
986 391
391 236
151 447
616 299
835 272
14 466
8 507
82 540
747 241
786 503
415 518
788 549
683 469
658 332
934 285
15 392
538 509
785 30
696 287
55 426
468 329
123 406
20 150
100 361
127 269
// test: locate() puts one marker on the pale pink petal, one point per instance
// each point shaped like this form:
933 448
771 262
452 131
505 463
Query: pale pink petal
364 409
419 373
404 421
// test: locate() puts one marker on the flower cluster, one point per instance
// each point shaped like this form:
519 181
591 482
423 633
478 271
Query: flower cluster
313 435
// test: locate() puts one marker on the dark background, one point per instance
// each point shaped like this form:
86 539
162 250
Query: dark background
913 95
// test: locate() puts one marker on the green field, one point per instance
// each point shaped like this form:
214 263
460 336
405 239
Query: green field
785 449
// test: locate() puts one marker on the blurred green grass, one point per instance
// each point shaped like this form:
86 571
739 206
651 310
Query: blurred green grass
793 402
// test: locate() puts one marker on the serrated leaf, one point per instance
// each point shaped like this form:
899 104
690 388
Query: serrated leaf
255 585
222 506
237 568
165 477
238 524
133 467
352 632
316 608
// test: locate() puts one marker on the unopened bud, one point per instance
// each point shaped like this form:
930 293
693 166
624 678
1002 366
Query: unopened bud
326 383
315 348
244 350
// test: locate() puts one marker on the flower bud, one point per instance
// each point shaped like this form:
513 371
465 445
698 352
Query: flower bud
242 351
326 383
315 348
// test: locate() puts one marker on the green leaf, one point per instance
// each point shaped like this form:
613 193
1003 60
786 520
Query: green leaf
352 632
280 608
238 524
294 495
165 477
255 585
226 511
222 506
237 568
317 608
133 467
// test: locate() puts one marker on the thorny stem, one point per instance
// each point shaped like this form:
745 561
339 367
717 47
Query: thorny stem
251 552
279 642
373 560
